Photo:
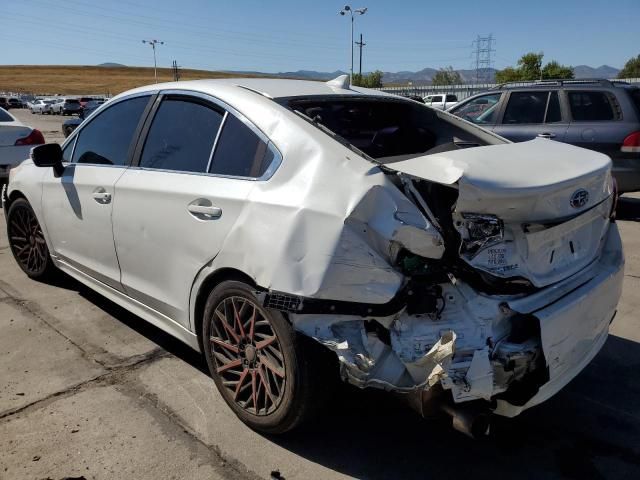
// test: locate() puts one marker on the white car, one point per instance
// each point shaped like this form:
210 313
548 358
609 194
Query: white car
41 106
286 228
441 101
16 140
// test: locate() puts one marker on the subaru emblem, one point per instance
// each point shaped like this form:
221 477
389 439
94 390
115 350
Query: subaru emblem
579 198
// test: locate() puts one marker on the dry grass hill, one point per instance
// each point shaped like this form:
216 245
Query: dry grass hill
74 80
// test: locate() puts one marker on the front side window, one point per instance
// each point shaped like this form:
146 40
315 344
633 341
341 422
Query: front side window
591 106
181 137
5 117
106 140
525 107
240 151
481 110
437 98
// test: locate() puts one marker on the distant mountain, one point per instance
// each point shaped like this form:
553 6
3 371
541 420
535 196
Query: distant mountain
424 76
111 64
603 71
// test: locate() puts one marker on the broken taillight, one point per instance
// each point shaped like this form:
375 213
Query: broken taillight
481 230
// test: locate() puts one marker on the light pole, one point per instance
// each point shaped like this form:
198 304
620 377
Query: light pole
357 11
153 44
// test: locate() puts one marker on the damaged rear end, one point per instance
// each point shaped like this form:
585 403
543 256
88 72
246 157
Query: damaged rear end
509 268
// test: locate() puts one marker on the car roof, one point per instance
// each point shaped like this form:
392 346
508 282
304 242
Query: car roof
274 88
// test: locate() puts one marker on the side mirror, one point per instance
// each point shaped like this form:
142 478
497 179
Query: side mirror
48 155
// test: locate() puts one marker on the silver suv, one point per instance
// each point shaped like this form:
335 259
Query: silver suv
597 114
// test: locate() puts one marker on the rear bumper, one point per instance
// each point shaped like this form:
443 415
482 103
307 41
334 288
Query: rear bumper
575 327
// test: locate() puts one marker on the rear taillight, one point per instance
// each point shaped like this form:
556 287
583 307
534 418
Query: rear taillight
631 144
34 138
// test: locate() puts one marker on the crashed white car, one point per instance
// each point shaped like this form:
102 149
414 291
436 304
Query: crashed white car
287 227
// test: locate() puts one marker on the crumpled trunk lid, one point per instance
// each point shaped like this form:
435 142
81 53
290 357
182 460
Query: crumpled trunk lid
553 199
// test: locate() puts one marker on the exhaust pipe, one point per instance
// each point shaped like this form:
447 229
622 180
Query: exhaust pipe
473 423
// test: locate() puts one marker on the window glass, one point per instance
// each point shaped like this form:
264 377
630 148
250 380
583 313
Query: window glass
240 152
482 110
590 106
181 137
106 140
67 151
525 107
452 98
437 98
553 110
635 98
5 117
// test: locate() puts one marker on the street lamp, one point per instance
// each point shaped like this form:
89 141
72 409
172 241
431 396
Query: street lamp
153 44
357 11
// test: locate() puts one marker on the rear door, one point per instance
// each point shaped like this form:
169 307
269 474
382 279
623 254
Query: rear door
596 120
173 212
533 113
77 205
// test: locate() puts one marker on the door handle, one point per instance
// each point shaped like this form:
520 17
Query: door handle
202 209
547 135
101 196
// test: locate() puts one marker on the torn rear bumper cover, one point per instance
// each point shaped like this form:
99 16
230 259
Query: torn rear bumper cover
512 351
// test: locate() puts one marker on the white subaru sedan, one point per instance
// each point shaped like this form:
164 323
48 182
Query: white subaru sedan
298 232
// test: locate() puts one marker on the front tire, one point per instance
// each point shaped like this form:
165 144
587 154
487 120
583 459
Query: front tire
258 361
27 241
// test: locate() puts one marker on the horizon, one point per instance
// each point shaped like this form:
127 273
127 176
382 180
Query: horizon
280 37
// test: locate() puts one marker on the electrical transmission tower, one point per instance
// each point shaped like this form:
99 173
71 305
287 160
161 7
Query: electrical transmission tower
483 50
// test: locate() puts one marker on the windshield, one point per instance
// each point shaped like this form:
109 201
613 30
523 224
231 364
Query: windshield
388 127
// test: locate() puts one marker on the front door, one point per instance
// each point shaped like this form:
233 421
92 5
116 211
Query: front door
77 206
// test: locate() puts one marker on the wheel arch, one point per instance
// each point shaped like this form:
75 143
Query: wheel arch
210 281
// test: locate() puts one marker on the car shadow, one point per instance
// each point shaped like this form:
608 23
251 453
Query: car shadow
628 209
590 430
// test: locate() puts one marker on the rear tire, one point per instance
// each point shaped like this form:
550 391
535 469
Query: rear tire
266 372
27 241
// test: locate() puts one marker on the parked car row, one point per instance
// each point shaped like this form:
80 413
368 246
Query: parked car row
596 114
62 105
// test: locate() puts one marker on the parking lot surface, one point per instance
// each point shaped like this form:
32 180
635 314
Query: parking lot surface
89 390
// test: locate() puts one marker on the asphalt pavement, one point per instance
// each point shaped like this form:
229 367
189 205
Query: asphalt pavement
88 390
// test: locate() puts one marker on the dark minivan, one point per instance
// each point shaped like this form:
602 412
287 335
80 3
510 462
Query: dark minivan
600 115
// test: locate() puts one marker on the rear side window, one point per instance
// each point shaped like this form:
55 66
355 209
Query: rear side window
240 151
452 98
181 137
592 106
106 140
525 107
5 117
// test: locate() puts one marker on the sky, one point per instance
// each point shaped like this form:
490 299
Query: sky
290 35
